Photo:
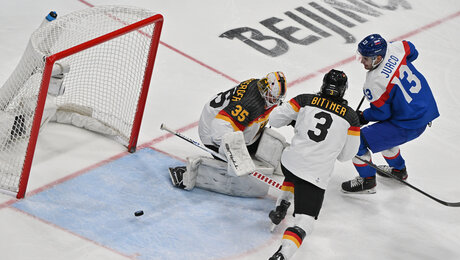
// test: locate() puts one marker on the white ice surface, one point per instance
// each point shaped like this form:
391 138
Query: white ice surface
395 223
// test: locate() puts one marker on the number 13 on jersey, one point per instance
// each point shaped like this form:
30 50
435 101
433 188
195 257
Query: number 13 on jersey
406 77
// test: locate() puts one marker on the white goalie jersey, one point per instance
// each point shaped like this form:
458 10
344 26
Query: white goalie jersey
325 131
241 108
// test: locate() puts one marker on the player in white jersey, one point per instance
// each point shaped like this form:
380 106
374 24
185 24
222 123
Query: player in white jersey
401 105
326 130
238 115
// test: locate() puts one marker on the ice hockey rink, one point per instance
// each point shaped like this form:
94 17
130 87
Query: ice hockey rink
84 188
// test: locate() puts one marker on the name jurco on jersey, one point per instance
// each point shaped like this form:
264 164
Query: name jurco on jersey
328 18
389 66
329 105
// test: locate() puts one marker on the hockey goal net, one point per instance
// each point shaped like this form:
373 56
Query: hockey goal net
101 60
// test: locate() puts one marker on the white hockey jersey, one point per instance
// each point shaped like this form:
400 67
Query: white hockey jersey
398 92
324 132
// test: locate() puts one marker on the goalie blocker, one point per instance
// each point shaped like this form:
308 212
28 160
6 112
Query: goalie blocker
232 178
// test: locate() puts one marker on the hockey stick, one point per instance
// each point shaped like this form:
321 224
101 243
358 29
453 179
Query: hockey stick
360 103
257 175
449 204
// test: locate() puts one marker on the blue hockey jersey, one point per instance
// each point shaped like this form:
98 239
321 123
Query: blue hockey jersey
397 91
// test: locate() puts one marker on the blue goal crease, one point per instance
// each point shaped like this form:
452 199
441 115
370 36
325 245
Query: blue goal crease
100 204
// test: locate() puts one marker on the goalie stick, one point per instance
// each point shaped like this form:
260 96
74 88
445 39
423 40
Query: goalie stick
449 204
256 175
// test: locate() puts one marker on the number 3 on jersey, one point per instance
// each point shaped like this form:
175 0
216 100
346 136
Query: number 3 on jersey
322 127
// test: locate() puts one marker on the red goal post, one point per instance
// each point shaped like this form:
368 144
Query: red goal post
110 51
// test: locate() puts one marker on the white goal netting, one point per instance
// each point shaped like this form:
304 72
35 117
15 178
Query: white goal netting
97 63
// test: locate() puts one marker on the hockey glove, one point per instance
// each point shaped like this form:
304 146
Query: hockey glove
362 120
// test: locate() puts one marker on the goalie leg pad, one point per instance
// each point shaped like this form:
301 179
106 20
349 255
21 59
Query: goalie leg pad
263 168
189 177
212 175
239 161
270 148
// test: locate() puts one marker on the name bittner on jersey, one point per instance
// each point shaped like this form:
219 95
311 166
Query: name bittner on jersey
329 105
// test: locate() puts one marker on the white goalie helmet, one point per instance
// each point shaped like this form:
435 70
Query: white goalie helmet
273 88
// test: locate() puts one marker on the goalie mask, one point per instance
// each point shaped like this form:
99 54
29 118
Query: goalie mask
335 83
273 88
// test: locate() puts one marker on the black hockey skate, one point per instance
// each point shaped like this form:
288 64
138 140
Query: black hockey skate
277 215
400 174
177 176
278 255
360 185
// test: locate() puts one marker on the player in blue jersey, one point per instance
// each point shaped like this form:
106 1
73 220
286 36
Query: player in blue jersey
401 105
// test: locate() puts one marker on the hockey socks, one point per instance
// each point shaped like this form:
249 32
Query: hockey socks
394 158
282 204
294 236
363 169
292 240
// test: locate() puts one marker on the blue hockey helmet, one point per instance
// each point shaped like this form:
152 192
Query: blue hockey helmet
372 46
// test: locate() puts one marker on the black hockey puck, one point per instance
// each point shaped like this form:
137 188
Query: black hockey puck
139 213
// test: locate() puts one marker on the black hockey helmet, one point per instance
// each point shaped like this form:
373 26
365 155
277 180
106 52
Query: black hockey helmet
335 83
